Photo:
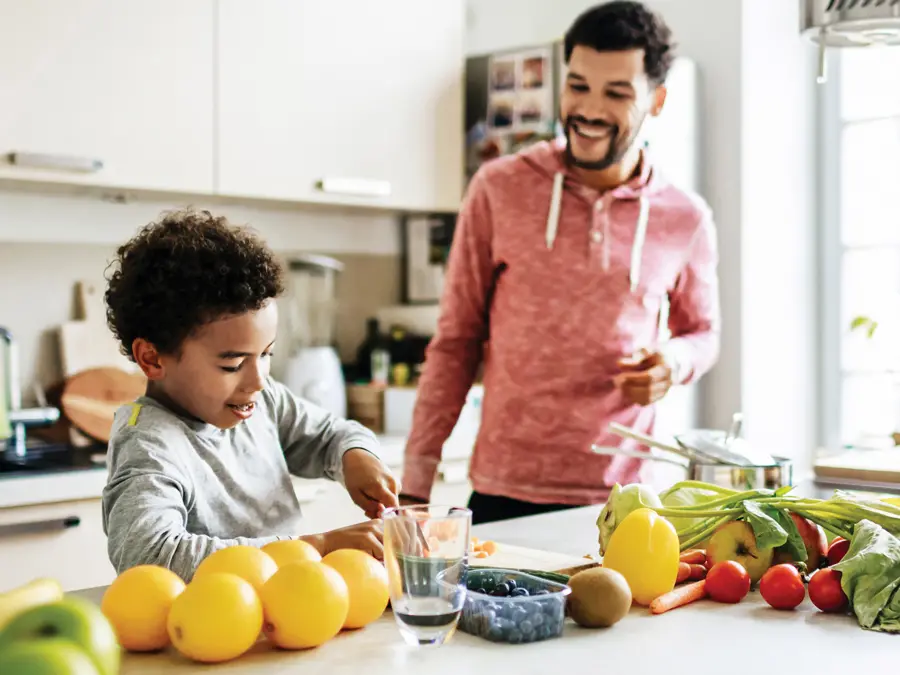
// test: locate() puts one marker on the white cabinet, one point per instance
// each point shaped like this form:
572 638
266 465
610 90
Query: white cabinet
128 84
35 543
367 95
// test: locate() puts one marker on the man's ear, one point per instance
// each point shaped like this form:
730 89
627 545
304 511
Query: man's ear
659 100
148 359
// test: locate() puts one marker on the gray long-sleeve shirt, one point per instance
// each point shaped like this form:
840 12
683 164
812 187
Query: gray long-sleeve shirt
179 489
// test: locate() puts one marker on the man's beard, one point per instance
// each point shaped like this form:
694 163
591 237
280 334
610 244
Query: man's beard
618 147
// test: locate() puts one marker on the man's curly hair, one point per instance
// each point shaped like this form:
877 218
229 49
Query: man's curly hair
621 25
184 271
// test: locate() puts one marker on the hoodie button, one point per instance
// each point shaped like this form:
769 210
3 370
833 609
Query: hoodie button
596 236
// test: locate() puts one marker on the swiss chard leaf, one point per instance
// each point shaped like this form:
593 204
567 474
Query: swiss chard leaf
768 531
794 545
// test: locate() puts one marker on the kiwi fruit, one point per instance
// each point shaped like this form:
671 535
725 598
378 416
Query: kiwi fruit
600 597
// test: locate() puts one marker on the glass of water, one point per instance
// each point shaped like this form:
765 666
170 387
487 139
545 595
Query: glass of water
425 552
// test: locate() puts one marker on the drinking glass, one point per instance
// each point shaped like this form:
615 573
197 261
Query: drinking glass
425 552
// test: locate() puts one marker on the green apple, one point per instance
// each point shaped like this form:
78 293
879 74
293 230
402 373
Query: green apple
736 541
75 619
49 656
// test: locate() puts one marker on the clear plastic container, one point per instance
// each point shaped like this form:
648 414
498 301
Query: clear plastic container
537 616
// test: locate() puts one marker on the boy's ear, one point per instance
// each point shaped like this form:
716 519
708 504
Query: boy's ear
147 358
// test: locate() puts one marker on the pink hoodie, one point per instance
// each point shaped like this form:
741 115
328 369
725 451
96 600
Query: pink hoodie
578 280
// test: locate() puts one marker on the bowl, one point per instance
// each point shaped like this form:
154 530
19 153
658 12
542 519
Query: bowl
535 613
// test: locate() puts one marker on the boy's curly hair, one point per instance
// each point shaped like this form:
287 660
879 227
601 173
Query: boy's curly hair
182 272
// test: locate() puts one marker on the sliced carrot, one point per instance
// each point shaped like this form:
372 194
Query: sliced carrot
694 556
684 572
479 554
489 547
678 597
697 572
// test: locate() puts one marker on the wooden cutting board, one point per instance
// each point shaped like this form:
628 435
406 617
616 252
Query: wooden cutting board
518 557
87 342
871 466
90 399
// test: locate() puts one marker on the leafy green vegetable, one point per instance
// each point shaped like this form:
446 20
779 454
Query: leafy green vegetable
686 496
794 545
773 528
621 502
870 576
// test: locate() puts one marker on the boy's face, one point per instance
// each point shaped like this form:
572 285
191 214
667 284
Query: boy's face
222 368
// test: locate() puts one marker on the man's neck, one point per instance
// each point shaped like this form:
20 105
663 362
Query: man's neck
613 176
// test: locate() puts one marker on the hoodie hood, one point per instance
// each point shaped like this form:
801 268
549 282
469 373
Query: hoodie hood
547 158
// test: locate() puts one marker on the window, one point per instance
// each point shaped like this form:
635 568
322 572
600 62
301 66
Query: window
860 221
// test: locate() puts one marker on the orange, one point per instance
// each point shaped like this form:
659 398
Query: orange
291 550
248 562
305 605
367 582
137 604
217 618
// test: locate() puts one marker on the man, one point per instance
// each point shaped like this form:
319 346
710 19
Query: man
564 257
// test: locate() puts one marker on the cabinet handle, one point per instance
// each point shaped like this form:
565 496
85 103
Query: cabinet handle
361 187
36 160
35 526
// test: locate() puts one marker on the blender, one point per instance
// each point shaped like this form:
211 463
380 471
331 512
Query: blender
313 369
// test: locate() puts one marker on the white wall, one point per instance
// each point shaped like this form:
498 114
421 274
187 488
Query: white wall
758 126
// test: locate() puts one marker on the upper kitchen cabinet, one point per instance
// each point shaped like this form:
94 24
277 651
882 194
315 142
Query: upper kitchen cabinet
110 93
342 101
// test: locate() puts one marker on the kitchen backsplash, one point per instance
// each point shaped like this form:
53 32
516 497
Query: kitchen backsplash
38 279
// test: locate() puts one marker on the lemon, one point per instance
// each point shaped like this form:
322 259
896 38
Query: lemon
291 550
216 618
137 604
305 604
247 562
367 582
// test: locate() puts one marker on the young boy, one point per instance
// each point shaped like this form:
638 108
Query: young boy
203 460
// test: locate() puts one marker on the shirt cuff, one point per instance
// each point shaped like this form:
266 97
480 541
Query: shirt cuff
418 477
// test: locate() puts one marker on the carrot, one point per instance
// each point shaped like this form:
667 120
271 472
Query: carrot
678 597
684 572
480 554
697 572
694 557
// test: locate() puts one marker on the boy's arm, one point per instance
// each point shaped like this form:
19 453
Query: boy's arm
313 440
317 443
145 518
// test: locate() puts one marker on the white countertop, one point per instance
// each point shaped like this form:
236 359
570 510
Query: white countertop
747 638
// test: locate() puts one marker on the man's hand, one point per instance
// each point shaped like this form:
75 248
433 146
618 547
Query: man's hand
645 378
371 485
367 536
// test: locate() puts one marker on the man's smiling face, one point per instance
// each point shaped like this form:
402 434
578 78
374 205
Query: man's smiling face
606 98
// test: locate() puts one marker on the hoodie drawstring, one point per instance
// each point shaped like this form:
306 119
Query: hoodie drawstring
640 230
637 246
555 203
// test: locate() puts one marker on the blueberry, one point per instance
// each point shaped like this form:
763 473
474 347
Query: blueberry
495 634
504 625
537 620
500 592
543 591
519 614
514 637
527 627
511 584
519 592
481 590
489 616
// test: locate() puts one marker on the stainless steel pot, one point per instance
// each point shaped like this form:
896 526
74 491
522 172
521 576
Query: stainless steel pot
769 476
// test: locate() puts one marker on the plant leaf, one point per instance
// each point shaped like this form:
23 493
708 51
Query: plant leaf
768 531
794 545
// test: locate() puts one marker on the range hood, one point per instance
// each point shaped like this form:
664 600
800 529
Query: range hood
849 23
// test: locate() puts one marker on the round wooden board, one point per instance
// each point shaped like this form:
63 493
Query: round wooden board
90 398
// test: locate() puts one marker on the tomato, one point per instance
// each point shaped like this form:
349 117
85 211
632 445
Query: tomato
644 549
825 591
837 550
727 581
782 587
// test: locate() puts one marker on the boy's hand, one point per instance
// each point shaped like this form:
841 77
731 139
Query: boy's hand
371 485
367 536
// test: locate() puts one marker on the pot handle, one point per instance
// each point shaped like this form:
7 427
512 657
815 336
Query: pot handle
603 450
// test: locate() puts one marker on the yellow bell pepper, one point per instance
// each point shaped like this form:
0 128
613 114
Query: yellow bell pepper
644 548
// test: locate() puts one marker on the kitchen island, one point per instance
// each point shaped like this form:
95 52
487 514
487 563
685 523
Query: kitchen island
705 637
